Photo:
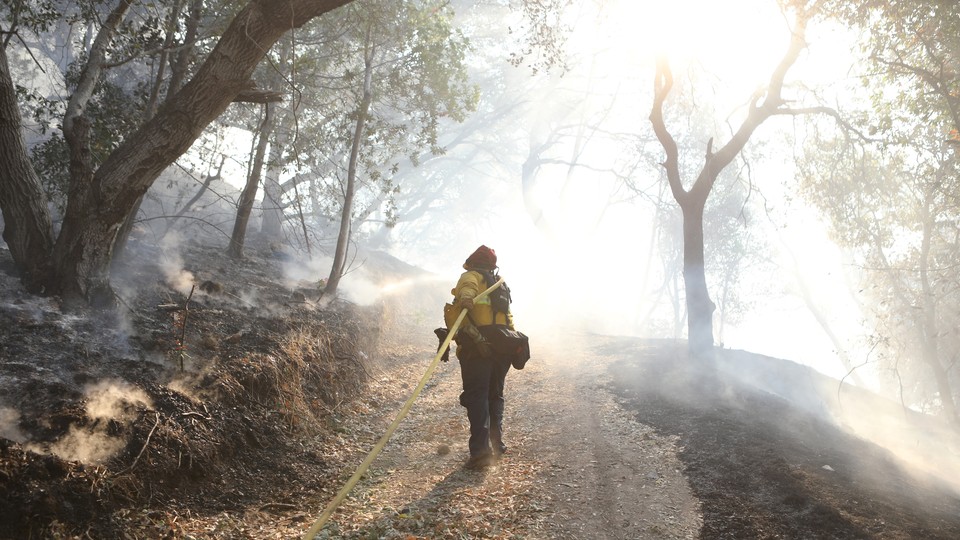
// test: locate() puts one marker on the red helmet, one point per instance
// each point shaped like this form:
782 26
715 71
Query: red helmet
483 257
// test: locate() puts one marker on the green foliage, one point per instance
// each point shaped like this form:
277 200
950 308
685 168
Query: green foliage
117 106
420 84
896 210
914 49
892 202
39 16
36 16
113 114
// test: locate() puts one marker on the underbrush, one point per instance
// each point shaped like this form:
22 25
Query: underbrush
231 429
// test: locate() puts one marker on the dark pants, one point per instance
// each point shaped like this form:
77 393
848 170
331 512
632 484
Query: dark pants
483 380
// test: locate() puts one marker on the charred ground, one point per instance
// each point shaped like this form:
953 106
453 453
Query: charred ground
211 397
763 466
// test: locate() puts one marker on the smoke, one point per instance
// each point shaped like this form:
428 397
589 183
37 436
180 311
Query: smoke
9 425
357 284
86 445
171 265
184 387
924 445
115 400
106 402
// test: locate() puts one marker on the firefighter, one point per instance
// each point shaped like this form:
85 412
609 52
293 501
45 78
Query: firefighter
482 369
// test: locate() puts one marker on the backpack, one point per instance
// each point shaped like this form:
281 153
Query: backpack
500 298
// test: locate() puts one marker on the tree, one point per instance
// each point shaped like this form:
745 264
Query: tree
410 76
76 263
178 56
763 104
892 199
898 215
916 46
731 245
245 204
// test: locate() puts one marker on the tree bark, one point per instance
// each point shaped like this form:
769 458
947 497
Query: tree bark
180 62
271 222
700 307
172 22
28 229
271 225
249 193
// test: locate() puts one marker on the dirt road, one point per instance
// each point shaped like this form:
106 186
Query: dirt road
577 465
629 439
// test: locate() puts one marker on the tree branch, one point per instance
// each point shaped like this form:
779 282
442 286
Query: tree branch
662 83
829 111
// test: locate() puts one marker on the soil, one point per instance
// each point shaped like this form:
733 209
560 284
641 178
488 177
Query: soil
282 394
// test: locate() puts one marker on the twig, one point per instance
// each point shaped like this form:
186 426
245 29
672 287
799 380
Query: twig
145 444
183 326
284 506
125 304
854 368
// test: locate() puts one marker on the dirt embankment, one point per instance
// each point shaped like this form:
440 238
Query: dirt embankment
195 399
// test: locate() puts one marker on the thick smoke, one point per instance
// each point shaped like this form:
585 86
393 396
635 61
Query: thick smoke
171 264
107 401
9 425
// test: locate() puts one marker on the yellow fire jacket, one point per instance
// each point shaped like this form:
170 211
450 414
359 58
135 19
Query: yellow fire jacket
471 284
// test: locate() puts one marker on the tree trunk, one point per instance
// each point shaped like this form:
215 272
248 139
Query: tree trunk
271 225
83 252
181 61
699 306
172 23
28 229
343 239
76 133
929 329
245 205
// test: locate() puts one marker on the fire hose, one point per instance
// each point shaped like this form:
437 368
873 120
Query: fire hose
362 468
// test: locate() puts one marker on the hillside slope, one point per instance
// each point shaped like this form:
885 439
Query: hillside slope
773 449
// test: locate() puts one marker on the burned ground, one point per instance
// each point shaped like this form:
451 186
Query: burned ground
762 467
210 398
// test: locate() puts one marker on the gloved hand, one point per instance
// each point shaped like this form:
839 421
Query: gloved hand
484 349
466 303
441 334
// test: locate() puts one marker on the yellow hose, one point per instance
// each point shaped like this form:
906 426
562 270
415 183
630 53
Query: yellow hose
329 510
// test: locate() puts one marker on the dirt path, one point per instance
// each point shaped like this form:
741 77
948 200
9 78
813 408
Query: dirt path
577 467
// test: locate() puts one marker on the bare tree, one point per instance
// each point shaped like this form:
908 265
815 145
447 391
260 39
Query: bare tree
763 104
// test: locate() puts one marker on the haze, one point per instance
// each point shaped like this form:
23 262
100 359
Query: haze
828 239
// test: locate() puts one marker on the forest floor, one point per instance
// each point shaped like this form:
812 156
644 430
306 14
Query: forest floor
103 434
